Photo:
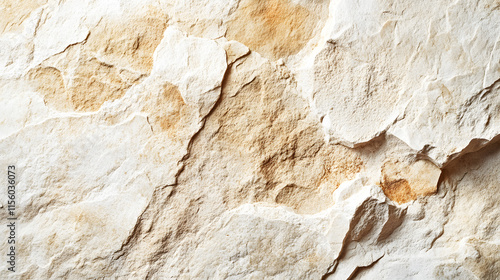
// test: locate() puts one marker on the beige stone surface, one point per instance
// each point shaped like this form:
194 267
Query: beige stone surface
246 139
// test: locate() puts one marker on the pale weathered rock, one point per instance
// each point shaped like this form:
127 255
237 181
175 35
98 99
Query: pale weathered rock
417 73
246 139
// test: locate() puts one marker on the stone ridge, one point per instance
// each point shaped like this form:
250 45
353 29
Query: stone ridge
246 139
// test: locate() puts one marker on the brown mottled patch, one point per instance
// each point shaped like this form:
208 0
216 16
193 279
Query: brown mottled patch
49 81
271 127
131 42
167 110
315 177
115 56
14 13
93 83
274 28
404 181
341 164
292 194
172 95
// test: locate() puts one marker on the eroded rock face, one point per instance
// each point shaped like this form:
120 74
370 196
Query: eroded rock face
247 139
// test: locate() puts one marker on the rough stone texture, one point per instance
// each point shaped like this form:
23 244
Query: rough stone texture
246 139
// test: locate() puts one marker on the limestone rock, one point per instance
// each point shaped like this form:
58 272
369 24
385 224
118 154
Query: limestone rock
246 139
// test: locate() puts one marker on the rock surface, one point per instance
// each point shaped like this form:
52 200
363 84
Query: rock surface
246 139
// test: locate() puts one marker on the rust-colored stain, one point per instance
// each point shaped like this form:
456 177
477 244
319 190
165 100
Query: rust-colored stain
403 181
398 190
274 28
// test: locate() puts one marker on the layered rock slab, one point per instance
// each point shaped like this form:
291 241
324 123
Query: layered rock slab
186 139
